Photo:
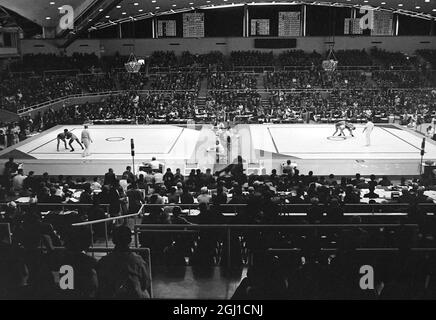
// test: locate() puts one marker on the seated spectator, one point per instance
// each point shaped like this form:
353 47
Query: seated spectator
122 273
385 182
204 197
18 180
177 218
95 185
77 241
371 194
135 197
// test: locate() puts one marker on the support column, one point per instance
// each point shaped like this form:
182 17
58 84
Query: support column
154 33
120 31
303 20
396 24
246 23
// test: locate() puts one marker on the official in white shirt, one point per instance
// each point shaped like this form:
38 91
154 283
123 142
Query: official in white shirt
369 127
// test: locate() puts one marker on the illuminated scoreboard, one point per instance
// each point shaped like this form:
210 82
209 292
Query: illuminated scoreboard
289 24
166 28
260 27
352 26
193 25
383 23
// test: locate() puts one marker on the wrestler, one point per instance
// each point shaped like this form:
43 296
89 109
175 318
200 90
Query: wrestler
341 126
61 137
72 137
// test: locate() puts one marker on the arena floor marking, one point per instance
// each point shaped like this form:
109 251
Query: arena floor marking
160 142
400 138
60 144
273 141
394 151
75 143
309 140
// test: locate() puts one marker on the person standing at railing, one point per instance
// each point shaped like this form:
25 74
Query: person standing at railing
86 140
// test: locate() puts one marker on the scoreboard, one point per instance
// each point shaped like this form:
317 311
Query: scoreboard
260 27
352 26
193 25
289 24
383 23
166 28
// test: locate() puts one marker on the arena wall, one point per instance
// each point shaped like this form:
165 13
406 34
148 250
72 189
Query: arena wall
144 47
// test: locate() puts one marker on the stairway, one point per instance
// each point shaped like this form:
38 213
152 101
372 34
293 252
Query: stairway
117 81
260 86
202 93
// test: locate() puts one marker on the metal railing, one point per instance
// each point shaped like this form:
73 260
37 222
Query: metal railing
298 210
96 94
57 205
228 229
5 232
105 221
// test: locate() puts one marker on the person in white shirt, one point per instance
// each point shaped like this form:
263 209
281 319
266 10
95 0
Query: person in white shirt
158 178
430 132
86 140
155 165
369 127
95 185
204 197
17 181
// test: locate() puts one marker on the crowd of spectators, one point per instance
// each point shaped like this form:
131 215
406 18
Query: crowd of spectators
392 59
26 270
353 58
231 80
177 81
262 193
18 93
401 79
429 56
315 79
251 58
299 58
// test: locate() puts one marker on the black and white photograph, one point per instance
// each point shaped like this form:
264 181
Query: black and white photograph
210 158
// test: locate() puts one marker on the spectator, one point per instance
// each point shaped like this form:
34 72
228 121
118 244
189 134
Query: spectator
123 274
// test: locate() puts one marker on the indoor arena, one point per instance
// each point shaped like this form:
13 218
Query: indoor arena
205 151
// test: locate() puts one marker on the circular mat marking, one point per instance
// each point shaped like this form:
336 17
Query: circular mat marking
337 138
115 139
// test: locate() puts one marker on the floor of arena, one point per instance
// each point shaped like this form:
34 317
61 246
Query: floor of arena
393 149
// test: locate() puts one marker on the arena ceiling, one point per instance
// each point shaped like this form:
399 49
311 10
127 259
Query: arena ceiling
90 14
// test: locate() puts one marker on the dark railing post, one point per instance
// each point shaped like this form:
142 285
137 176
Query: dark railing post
229 264
135 230
105 234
